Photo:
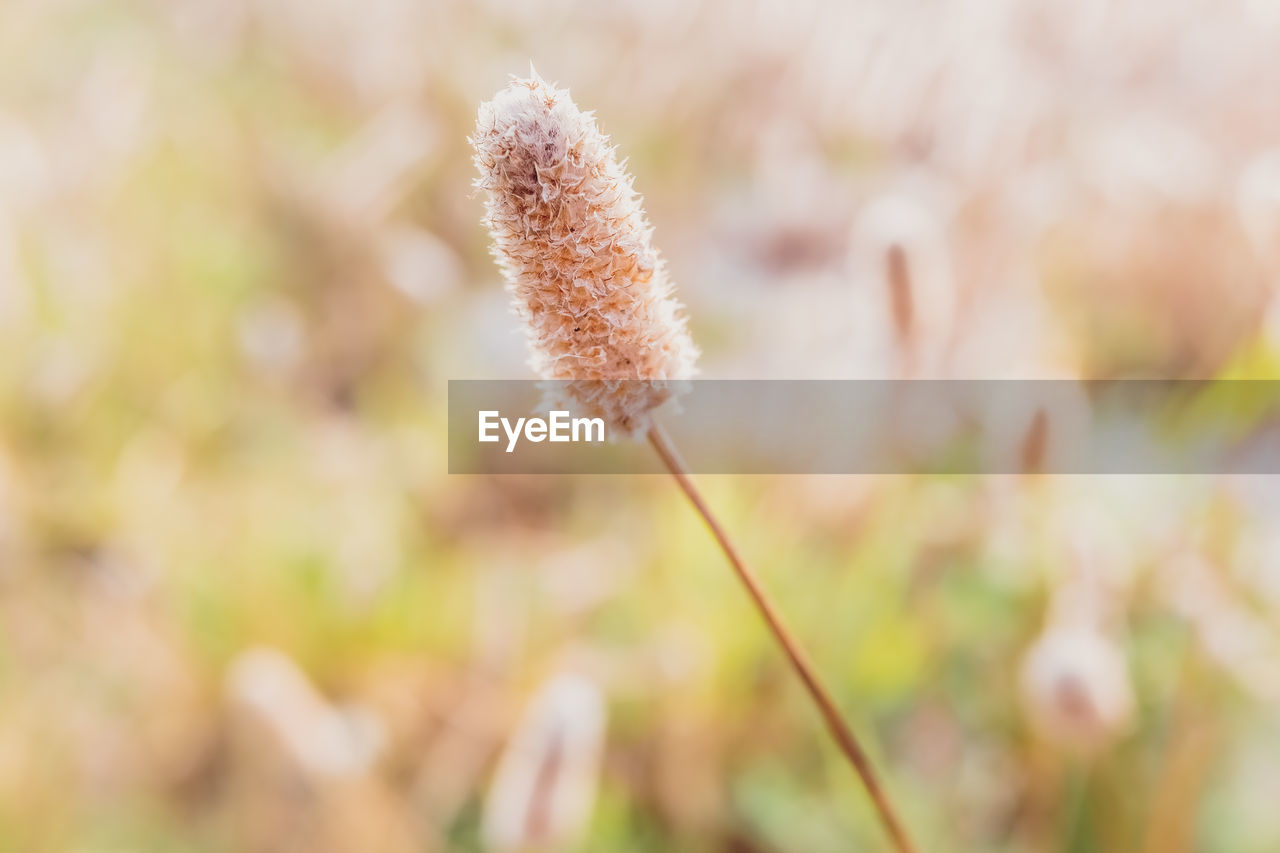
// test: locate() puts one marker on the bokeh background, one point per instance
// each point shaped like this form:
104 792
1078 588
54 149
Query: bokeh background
244 608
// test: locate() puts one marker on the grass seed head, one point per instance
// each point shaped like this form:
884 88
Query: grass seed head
575 248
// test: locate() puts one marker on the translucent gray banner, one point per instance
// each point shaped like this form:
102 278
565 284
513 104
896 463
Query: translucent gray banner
875 427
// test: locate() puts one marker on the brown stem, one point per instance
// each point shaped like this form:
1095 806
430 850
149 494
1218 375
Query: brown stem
799 660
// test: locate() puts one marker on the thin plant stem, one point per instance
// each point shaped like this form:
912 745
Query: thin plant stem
799 659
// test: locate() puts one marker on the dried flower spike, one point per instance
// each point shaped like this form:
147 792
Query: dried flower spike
573 242
574 245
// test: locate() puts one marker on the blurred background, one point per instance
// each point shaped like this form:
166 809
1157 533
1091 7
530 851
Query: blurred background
244 608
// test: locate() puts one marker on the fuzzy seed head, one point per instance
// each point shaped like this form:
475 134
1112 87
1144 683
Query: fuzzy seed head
1076 687
545 784
574 246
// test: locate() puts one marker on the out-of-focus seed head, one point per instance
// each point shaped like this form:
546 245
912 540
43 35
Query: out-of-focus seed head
268 691
1258 204
899 252
574 245
545 785
1075 687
